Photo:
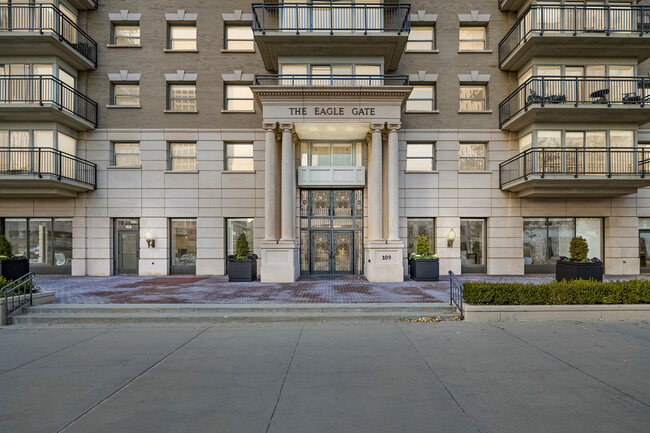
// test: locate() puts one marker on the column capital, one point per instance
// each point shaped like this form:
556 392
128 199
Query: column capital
269 127
394 127
376 127
286 127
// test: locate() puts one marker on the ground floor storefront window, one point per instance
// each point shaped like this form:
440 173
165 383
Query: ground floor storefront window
46 242
473 245
548 239
183 246
417 227
644 244
234 229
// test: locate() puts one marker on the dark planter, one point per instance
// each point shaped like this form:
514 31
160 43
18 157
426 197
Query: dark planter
242 270
14 268
424 269
578 271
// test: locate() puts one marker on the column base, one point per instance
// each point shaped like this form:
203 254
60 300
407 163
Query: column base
384 261
280 262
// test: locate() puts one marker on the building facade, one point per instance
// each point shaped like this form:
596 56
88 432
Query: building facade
145 137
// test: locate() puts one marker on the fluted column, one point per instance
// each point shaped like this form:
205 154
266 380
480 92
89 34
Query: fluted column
288 182
269 184
375 206
393 183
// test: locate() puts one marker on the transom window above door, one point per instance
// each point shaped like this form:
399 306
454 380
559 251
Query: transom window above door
328 154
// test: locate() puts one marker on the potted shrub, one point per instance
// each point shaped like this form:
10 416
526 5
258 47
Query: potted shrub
578 266
424 266
243 266
11 267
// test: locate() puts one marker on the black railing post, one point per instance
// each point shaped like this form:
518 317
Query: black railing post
525 172
297 26
577 91
643 96
575 20
576 151
609 162
643 162
365 19
543 91
543 163
541 20
609 20
60 161
331 19
40 162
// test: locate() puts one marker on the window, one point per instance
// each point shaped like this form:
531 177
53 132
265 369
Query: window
126 35
235 227
239 157
126 154
420 157
239 98
472 39
421 39
327 154
239 38
422 98
46 242
182 156
183 246
472 156
473 98
472 245
126 95
548 239
420 227
182 98
182 37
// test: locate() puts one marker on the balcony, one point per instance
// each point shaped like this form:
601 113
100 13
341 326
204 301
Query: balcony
332 80
45 98
293 29
511 5
580 99
85 4
331 176
42 30
577 31
576 172
44 172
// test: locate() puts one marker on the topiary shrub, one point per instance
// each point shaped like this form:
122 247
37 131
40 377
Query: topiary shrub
422 247
6 250
578 249
242 246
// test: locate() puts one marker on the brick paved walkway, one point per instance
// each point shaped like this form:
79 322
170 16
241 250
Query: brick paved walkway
216 289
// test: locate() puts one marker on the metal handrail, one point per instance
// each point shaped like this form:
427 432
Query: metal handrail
47 161
456 293
576 162
44 19
573 21
18 293
41 89
330 80
591 91
331 17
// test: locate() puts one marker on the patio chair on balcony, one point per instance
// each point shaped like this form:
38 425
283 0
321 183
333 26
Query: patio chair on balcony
534 98
600 95
556 99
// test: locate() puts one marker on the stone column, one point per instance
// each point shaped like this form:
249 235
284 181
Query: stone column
375 206
392 160
288 175
269 182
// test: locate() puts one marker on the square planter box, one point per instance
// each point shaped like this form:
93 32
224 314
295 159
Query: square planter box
424 269
14 269
578 271
242 270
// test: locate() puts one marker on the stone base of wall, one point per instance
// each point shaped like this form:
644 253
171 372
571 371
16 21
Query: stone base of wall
496 313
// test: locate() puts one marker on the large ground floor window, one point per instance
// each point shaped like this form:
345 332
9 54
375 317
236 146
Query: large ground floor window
548 239
46 242
235 227
473 245
183 245
417 227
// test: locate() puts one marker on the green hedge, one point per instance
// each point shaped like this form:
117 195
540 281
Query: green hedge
558 293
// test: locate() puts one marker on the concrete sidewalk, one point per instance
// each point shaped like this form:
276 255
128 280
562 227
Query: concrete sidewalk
412 377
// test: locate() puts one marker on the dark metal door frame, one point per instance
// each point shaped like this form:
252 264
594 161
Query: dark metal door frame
119 248
331 252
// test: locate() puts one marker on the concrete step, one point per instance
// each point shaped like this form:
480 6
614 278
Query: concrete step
87 314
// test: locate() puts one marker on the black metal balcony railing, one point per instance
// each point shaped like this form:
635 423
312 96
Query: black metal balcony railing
42 89
47 161
573 21
332 80
589 91
45 19
575 162
331 17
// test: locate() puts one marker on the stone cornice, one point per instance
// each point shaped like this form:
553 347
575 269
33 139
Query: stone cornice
369 92
181 15
124 15
237 16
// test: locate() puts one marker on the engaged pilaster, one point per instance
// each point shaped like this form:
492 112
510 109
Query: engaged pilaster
288 182
269 181
392 160
375 205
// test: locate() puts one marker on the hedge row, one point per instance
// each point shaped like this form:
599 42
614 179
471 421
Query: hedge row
558 293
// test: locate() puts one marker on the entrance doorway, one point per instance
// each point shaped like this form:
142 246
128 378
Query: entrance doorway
127 246
331 232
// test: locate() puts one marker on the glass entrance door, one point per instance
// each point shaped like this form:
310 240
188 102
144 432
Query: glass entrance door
127 248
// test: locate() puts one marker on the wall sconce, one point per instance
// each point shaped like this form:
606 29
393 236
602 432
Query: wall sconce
151 242
451 237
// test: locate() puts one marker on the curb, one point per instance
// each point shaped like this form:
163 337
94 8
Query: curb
498 313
